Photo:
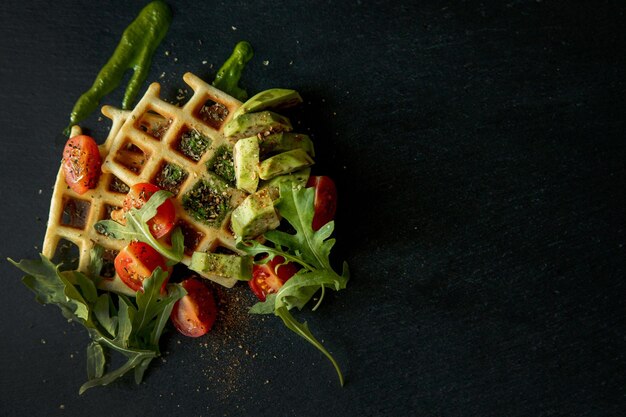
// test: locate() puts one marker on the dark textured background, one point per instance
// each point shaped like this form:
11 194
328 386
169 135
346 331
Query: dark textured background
479 151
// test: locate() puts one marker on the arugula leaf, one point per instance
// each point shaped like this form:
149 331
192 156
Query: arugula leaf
302 330
106 314
132 330
264 307
137 228
96 360
96 261
297 207
139 328
307 247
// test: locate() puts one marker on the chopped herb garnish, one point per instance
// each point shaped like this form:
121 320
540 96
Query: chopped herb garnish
118 186
193 144
213 114
222 164
171 177
154 124
108 263
208 201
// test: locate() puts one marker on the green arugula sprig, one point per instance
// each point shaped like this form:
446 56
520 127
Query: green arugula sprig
132 329
308 248
137 228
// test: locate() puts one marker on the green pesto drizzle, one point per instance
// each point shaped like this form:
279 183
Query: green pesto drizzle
135 51
228 75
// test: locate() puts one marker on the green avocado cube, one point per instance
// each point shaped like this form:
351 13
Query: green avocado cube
254 216
246 160
269 99
284 163
284 141
222 265
295 180
251 124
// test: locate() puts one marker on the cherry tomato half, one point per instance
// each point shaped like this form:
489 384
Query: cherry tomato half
269 277
136 262
194 314
81 163
161 224
325 200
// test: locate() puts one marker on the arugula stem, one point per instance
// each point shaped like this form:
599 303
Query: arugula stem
287 256
319 302
303 331
127 352
296 260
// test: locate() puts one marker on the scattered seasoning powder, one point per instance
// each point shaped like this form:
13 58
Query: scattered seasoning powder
225 358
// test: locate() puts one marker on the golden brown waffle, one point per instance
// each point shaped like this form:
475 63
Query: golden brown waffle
72 216
141 143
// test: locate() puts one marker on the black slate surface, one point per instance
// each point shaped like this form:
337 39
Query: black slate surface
479 152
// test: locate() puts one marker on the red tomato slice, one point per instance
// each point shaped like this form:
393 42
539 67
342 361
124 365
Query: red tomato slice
81 163
194 314
163 222
325 200
270 277
136 262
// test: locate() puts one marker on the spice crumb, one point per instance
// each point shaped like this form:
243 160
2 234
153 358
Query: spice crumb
162 75
167 53
266 63
204 62
233 28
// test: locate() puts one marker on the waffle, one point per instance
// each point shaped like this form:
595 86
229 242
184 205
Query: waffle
141 145
72 216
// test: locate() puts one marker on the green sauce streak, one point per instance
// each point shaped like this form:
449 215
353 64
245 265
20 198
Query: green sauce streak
229 74
135 51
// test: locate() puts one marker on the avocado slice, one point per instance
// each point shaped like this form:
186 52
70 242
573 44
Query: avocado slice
284 141
273 98
284 163
296 180
250 124
222 265
246 159
255 216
